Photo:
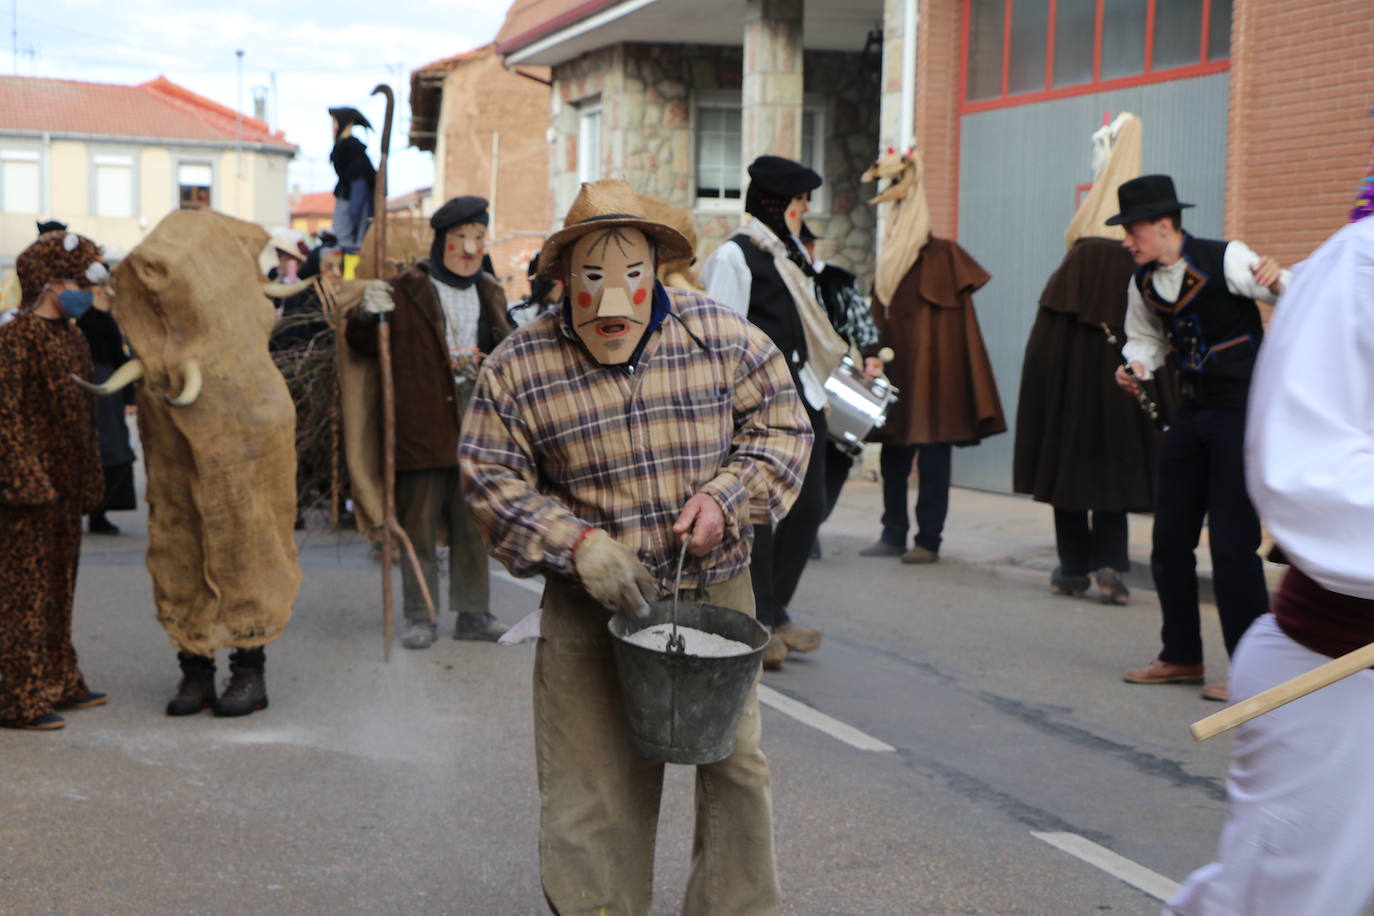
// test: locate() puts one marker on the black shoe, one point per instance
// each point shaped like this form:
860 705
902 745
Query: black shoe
99 524
197 688
246 690
479 626
1073 586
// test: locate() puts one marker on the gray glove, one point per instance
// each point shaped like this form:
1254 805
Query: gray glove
377 298
613 575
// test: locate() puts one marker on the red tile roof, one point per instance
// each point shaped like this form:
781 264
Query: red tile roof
312 203
157 109
527 21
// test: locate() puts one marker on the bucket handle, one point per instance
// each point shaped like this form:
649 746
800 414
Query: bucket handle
676 644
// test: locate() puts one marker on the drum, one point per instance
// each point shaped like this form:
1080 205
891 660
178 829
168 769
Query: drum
857 405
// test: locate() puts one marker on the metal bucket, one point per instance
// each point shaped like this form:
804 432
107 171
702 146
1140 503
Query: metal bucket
685 708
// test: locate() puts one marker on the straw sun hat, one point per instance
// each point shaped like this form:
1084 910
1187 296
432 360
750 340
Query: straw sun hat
603 205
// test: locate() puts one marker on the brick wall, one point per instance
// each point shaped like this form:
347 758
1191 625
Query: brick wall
937 109
1302 82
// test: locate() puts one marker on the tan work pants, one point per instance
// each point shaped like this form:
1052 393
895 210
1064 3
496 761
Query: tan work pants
599 799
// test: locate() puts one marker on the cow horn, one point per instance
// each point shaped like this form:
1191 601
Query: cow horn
190 388
126 374
283 290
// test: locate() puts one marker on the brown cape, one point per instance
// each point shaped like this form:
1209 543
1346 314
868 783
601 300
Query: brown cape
1081 442
946 389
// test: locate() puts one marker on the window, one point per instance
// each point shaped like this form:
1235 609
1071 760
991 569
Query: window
813 150
194 181
720 138
112 186
1020 51
20 181
589 141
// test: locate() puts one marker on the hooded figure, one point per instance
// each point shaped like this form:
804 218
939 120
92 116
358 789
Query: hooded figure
446 315
49 476
765 273
923 309
1081 446
353 203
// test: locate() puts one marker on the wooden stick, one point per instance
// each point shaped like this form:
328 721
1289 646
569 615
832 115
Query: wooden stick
1292 689
388 382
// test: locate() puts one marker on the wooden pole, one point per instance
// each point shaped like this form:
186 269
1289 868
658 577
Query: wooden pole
388 382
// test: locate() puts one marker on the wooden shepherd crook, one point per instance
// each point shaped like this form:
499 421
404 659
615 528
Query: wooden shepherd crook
1292 689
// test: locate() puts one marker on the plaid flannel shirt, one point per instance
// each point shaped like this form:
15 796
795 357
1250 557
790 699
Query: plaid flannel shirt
553 444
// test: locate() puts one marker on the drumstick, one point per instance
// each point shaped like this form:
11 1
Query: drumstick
1290 690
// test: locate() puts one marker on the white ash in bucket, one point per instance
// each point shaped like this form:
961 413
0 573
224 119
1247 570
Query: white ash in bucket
697 642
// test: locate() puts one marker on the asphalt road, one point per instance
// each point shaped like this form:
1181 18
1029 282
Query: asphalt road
409 787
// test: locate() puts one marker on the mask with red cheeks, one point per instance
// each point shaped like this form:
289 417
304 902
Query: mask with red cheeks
797 208
463 249
611 289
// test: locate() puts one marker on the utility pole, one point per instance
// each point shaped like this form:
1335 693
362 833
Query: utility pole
14 33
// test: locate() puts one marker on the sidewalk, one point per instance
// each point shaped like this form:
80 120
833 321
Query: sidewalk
1013 535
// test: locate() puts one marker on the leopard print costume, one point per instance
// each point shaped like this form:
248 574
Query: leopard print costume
49 477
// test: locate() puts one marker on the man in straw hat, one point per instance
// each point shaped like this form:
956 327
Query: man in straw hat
446 314
601 435
1300 811
49 476
1196 298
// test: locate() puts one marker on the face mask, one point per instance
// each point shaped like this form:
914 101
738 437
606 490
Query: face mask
611 287
75 302
463 249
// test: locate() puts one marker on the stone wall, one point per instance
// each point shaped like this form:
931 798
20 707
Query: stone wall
647 93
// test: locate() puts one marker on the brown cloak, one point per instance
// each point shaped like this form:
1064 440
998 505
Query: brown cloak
946 389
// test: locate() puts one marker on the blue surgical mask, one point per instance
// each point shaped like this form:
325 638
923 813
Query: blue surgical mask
75 302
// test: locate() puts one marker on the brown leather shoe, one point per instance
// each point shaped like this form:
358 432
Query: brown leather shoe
799 638
918 554
773 654
881 548
1217 693
1160 672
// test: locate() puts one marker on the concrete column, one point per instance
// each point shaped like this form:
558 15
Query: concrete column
894 35
772 78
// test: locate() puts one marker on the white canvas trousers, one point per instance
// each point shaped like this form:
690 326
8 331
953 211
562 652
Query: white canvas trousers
1299 829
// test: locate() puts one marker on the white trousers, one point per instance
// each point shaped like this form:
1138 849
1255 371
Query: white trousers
1299 833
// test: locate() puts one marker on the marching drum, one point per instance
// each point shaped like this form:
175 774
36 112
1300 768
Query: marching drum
857 405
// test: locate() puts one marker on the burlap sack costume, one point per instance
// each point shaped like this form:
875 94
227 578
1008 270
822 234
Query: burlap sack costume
221 469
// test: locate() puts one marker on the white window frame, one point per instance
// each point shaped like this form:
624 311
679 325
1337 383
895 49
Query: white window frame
114 157
189 159
815 105
20 152
589 113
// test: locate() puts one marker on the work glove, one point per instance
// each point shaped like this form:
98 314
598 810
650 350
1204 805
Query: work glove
377 298
612 574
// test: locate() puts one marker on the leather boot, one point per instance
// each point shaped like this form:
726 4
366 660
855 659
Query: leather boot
479 626
197 688
246 691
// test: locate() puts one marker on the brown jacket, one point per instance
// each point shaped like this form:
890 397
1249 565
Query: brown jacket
946 389
427 413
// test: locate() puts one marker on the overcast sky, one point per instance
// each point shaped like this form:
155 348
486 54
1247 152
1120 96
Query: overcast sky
324 53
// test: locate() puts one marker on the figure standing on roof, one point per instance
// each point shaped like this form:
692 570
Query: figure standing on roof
353 204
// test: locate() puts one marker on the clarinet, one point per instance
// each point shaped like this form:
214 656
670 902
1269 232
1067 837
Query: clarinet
1146 404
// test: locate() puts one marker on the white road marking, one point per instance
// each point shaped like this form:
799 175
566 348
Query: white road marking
819 720
1137 876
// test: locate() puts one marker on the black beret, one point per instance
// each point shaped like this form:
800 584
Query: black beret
466 209
782 177
51 225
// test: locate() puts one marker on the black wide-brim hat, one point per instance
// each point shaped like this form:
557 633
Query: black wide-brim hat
346 115
1146 197
782 177
606 204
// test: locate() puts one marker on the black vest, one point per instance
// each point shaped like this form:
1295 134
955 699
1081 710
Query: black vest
1215 333
771 308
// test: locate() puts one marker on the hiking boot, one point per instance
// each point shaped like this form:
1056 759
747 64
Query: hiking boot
1072 586
881 548
418 634
918 555
197 688
1110 588
479 626
246 690
774 653
797 637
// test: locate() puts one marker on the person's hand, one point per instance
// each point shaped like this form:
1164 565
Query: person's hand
873 367
1267 273
130 410
1128 384
613 575
377 298
702 521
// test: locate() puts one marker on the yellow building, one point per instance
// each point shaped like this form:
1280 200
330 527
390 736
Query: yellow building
111 161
